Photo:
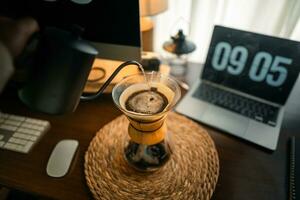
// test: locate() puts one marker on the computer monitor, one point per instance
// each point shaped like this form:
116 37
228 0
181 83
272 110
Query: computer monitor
111 25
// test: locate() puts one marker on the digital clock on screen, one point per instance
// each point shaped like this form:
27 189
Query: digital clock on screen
257 64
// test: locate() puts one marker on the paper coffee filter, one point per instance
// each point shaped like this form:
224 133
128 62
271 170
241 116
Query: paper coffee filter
143 86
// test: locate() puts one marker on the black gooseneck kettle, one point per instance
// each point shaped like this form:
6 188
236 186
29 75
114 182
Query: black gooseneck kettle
62 65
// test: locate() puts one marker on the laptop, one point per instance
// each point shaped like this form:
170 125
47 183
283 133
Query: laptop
244 85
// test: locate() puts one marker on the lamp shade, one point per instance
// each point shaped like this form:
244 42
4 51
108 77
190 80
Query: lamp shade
179 45
152 7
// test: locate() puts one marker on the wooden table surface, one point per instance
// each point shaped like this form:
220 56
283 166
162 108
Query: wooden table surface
246 170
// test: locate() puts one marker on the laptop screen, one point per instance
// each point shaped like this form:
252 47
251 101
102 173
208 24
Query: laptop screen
260 65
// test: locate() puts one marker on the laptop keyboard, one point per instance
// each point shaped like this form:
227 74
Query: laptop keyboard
248 107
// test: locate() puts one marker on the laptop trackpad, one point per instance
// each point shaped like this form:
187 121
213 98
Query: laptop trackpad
226 120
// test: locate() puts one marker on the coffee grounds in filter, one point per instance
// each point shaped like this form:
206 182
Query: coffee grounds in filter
147 101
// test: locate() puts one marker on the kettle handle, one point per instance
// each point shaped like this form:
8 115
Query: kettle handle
100 91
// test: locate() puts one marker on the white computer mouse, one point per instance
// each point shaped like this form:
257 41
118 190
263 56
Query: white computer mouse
61 158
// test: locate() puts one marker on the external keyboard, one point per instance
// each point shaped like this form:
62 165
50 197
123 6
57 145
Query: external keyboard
259 111
19 133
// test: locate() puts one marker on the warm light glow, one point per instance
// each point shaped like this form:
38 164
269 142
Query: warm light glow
152 7
146 24
149 8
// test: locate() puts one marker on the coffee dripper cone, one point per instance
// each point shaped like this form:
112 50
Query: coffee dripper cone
149 146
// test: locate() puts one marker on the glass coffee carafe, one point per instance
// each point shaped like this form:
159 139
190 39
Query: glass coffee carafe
146 99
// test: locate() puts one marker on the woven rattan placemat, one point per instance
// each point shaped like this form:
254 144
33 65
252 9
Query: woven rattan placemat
191 173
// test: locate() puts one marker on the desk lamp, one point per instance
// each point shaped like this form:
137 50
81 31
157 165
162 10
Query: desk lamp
150 8
180 47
